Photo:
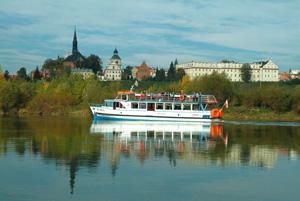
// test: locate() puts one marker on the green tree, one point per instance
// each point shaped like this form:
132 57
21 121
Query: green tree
6 75
1 69
276 98
8 96
37 74
172 72
175 63
216 84
127 73
180 73
160 74
22 73
246 72
54 67
93 62
296 99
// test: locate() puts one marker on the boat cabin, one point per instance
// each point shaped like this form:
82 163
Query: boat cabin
161 102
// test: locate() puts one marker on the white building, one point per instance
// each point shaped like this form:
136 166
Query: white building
265 71
113 70
295 74
86 73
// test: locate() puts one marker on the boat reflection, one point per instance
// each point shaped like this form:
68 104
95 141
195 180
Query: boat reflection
200 143
160 139
132 131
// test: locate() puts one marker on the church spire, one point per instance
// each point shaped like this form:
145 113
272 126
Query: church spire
74 49
116 51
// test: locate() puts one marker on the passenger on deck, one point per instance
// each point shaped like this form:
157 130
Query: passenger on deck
197 97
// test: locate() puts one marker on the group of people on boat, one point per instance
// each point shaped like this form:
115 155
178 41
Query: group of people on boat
166 96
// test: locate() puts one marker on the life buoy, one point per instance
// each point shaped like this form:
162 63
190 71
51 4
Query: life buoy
216 131
216 113
181 97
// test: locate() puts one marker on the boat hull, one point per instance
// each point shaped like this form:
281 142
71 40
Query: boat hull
118 117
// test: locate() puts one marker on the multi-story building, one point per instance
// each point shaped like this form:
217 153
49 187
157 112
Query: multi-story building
113 70
265 71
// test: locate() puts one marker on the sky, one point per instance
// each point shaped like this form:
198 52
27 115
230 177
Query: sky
155 31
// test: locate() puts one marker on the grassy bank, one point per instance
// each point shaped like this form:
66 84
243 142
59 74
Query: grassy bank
258 114
232 114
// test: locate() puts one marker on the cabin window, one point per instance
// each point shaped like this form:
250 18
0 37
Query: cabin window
159 106
186 106
177 106
124 97
108 104
168 106
151 106
196 107
134 105
142 105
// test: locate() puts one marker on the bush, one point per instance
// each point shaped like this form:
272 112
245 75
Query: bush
58 103
252 97
277 98
296 100
8 96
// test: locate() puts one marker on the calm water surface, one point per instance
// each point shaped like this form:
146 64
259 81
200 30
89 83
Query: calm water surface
77 159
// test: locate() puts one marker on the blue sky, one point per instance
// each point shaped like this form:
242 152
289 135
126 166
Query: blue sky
154 31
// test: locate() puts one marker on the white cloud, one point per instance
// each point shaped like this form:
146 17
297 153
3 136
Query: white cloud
256 28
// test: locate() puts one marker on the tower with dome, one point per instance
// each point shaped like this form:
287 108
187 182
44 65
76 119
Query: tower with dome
113 70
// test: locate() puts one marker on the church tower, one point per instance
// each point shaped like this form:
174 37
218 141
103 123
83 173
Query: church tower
113 70
75 48
75 59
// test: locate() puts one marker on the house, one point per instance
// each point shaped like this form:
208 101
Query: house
86 73
143 72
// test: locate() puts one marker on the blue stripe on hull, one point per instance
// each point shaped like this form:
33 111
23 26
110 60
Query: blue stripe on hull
104 117
122 118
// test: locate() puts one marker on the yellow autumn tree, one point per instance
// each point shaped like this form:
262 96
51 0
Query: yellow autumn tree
184 82
1 73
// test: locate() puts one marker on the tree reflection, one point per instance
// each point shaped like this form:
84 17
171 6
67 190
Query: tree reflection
70 143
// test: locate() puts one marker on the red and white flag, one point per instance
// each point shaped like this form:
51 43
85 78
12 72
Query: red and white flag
226 140
226 105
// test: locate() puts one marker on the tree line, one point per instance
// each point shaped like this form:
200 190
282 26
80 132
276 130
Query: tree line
71 92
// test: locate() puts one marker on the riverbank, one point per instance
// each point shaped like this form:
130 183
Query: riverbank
73 112
232 114
257 114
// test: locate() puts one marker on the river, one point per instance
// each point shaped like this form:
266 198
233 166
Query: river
78 159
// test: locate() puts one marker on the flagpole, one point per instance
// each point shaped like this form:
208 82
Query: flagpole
226 102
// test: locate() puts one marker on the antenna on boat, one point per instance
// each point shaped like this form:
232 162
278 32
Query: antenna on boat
136 83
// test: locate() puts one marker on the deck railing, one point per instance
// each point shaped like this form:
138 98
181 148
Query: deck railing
208 99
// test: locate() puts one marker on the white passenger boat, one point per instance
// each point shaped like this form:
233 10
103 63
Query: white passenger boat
129 105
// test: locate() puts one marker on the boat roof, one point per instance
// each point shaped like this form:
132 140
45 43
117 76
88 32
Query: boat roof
125 92
149 101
